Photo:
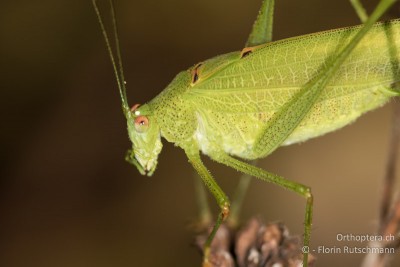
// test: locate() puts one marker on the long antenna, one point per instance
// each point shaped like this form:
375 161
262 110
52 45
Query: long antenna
119 72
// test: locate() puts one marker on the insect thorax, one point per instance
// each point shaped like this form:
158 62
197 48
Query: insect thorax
175 116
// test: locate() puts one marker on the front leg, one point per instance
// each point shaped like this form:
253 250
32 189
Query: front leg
219 195
298 188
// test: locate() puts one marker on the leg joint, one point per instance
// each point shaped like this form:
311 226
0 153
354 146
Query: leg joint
304 191
225 209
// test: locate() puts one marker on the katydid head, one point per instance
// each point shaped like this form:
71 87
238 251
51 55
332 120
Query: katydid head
144 134
143 130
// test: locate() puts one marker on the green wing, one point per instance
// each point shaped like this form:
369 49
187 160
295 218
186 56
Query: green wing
241 96
268 77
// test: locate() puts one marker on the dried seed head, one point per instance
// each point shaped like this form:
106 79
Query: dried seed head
254 245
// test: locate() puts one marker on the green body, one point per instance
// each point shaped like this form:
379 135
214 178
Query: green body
247 104
227 109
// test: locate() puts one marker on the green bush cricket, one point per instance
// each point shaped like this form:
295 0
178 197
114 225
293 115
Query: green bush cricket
246 104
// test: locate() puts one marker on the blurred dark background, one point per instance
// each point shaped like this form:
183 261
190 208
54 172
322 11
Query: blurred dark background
68 198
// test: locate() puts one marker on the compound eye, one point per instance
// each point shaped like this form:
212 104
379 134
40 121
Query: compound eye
141 124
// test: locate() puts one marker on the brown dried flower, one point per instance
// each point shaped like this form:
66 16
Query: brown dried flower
254 245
